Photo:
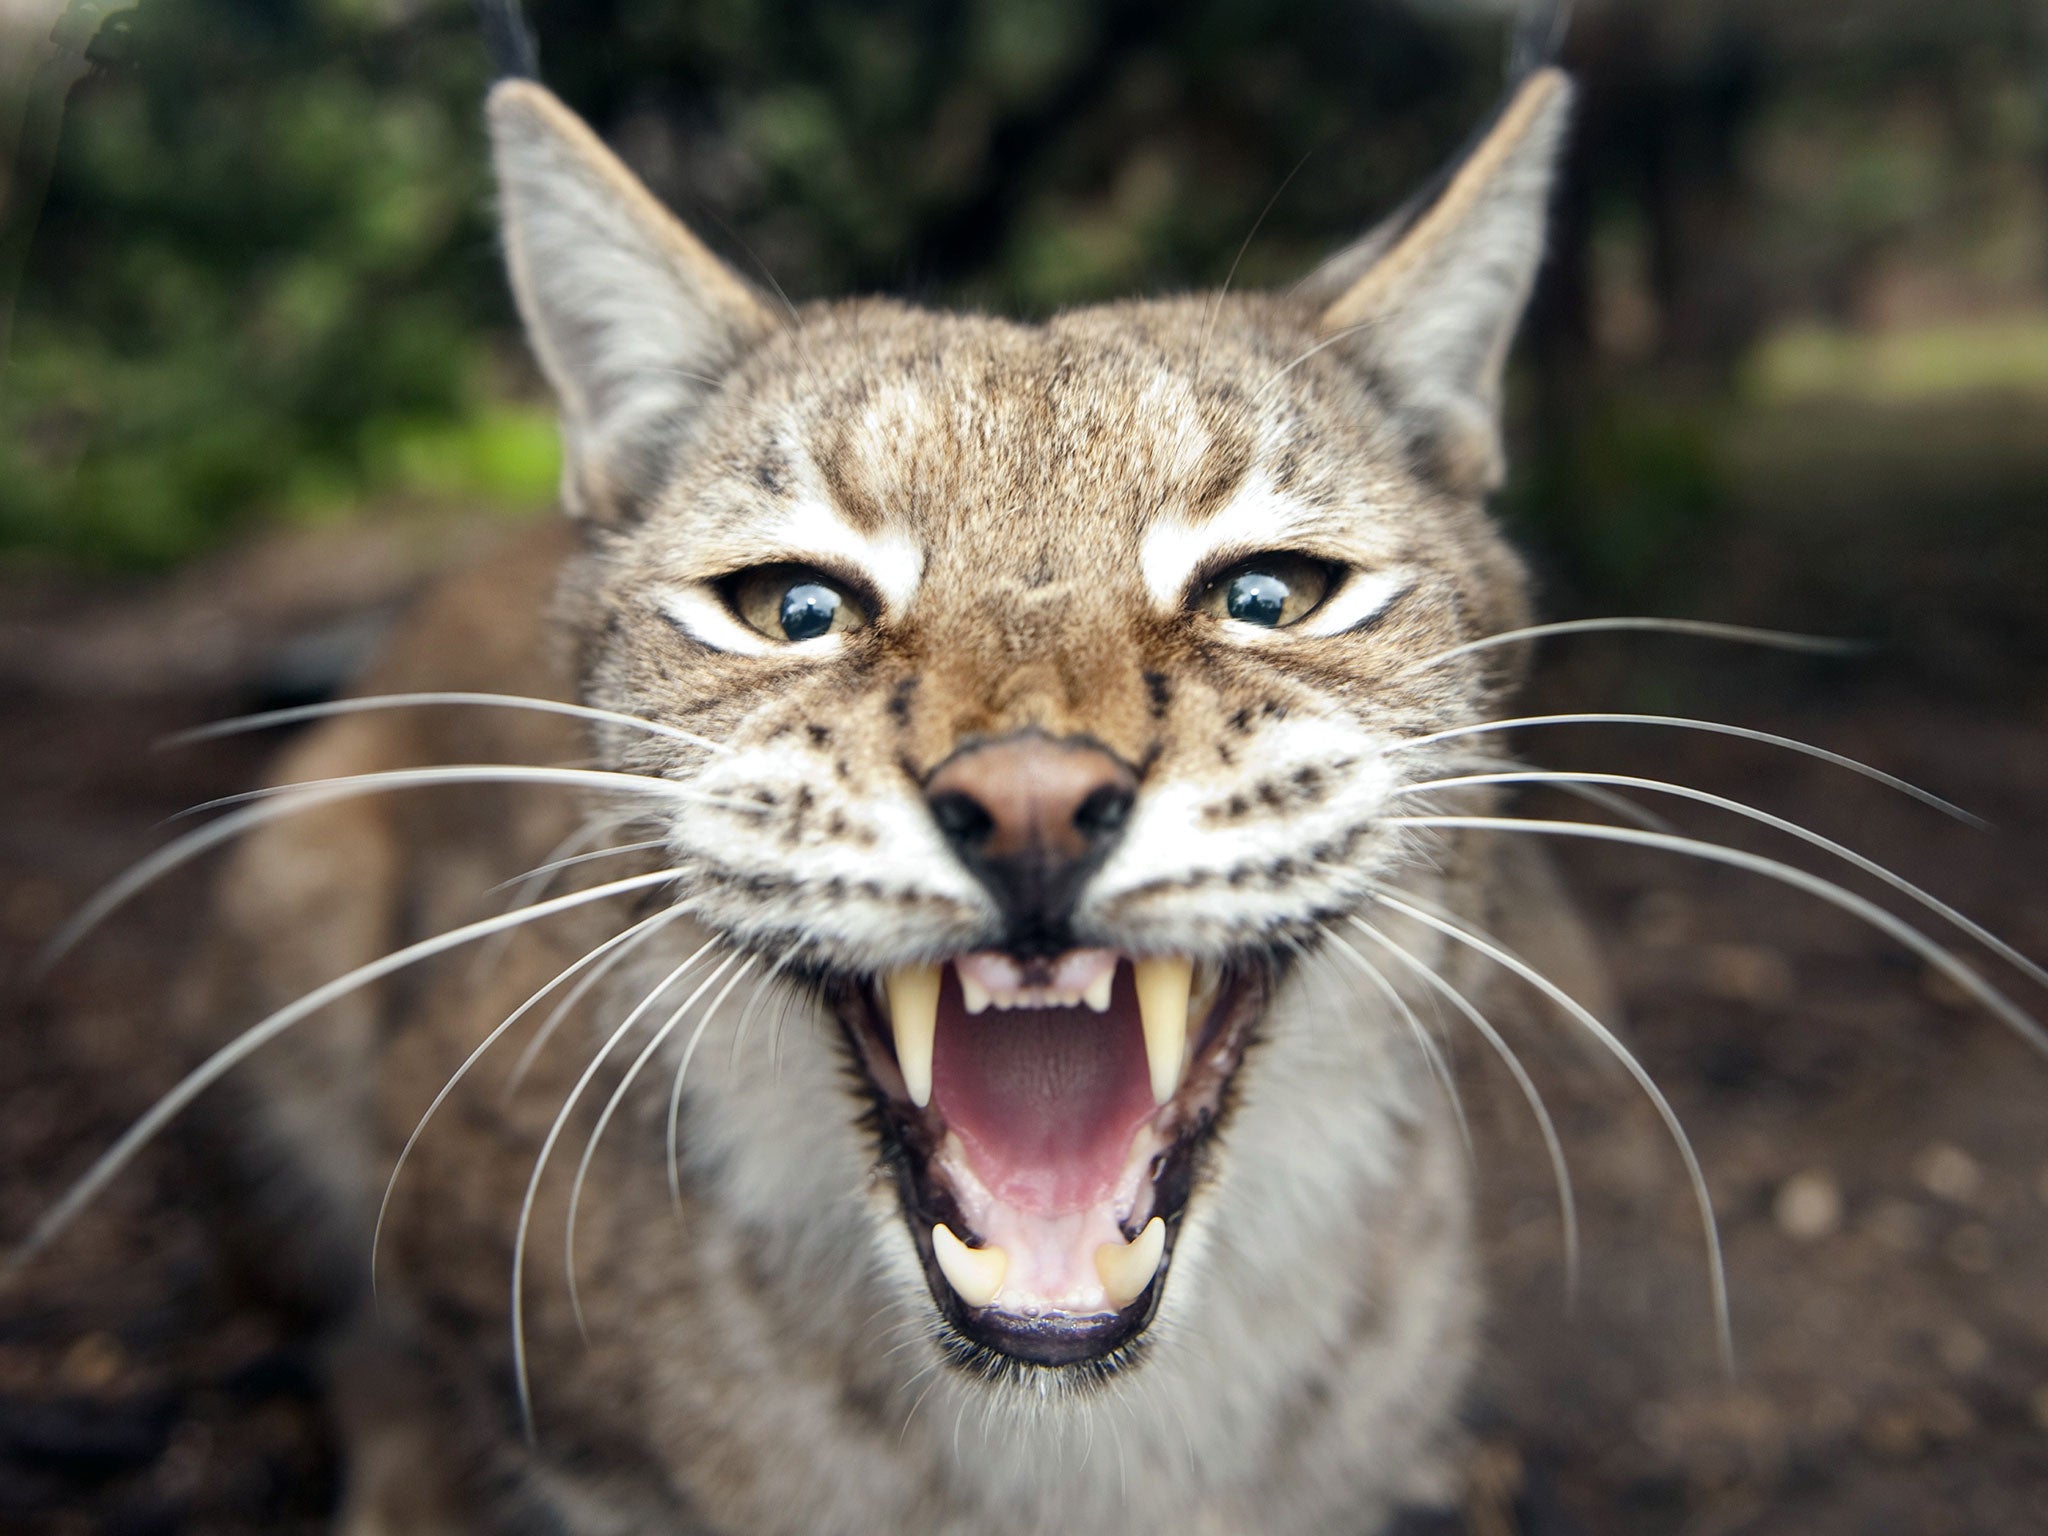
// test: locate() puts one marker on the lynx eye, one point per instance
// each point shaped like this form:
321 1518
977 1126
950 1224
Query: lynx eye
794 602
1271 591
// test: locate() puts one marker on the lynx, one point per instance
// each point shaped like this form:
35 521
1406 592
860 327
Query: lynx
994 802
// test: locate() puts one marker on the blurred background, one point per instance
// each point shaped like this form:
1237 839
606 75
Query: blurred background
1788 365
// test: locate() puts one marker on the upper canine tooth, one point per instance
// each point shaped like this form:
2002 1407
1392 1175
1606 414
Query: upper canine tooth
975 1274
1163 984
1125 1269
914 1016
1097 995
973 995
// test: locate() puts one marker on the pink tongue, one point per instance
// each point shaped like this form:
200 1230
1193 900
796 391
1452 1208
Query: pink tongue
1045 1100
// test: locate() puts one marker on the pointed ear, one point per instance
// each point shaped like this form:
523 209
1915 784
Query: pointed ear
632 318
1431 298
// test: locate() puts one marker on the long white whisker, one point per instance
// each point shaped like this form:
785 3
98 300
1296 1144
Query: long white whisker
540 1163
1431 1053
1328 341
290 800
1887 923
533 884
298 713
1560 1171
530 1052
1741 634
1716 1272
210 1071
540 873
617 943
1711 727
675 1092
601 779
1869 866
762 989
618 1097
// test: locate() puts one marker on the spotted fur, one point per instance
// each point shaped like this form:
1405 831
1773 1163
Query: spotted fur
1027 512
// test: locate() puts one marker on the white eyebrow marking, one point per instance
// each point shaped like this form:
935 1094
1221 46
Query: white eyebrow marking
1256 517
810 531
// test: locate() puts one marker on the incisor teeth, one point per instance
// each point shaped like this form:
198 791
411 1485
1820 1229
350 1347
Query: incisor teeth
973 995
1127 1268
975 1274
1163 985
914 1017
1098 991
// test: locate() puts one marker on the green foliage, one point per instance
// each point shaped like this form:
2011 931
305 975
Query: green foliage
264 282
263 254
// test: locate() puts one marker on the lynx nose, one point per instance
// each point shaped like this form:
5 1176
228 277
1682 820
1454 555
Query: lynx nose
1032 818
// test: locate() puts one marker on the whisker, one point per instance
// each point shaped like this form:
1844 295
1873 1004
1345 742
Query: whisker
1431 1052
541 872
530 1052
533 884
1740 634
208 1072
1553 1145
675 1092
1716 1272
540 1163
618 1097
290 800
1216 305
1869 866
1711 727
739 1033
1327 342
627 939
1887 923
603 779
298 713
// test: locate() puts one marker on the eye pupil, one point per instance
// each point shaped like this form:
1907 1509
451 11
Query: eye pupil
808 609
1256 597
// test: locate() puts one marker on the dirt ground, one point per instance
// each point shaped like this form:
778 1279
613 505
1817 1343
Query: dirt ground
1877 1148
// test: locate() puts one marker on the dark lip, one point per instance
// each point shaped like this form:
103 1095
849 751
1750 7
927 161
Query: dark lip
907 1138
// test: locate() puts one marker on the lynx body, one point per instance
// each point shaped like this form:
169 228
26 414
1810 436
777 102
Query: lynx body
1008 724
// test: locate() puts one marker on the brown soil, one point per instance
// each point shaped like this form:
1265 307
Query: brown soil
1877 1149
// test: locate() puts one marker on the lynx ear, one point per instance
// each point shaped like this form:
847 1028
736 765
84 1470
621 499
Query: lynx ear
1432 297
632 318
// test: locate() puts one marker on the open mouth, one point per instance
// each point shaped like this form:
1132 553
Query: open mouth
1044 1117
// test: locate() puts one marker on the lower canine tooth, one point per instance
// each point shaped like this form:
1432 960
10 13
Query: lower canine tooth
1163 984
914 1017
1127 1268
975 1274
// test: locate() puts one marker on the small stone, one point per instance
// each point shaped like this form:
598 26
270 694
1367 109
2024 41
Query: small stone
2038 1403
1948 1171
1943 990
1747 973
93 1362
1945 1416
1900 1225
1893 1434
1808 1206
1962 1348
1971 1249
1661 920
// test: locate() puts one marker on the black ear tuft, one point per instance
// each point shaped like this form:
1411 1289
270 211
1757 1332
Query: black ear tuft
513 56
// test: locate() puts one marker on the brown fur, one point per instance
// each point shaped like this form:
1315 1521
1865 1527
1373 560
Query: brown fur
762 1358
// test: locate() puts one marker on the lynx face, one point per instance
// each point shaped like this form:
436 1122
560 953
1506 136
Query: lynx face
1046 678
